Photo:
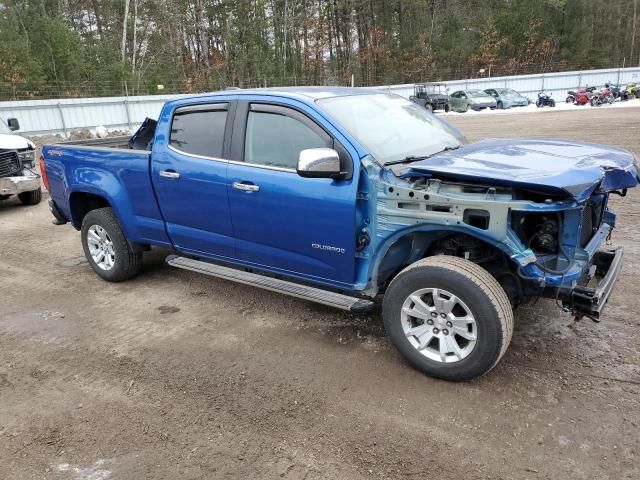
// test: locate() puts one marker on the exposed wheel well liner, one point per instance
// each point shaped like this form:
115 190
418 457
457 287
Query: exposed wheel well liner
417 245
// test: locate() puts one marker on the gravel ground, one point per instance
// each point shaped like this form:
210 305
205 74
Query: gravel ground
176 375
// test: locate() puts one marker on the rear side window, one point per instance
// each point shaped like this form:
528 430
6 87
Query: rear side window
199 130
277 140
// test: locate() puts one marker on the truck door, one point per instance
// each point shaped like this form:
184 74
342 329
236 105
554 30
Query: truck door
302 226
189 175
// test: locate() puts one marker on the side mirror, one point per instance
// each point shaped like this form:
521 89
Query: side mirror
13 124
319 163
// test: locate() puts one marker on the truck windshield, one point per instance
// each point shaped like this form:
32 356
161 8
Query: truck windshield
391 127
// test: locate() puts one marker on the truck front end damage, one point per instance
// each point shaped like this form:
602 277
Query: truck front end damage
17 173
537 240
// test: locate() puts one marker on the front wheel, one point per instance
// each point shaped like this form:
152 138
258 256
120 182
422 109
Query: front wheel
448 317
31 198
106 248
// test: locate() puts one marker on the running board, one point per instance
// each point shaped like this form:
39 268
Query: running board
312 294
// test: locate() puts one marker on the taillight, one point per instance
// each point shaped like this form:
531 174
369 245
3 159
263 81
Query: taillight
43 172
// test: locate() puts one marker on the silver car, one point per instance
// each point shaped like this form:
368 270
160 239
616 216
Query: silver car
507 98
465 100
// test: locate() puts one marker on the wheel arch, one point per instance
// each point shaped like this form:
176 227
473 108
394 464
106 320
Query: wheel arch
82 202
410 245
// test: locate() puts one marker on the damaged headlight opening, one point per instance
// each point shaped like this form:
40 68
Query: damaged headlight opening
27 158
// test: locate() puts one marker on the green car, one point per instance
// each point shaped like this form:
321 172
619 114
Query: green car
465 100
507 98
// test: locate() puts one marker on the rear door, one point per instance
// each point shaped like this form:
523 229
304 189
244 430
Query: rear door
302 226
189 173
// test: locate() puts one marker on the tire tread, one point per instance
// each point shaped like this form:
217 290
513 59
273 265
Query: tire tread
485 282
131 262
32 197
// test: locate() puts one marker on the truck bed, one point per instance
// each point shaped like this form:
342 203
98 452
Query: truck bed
110 142
110 169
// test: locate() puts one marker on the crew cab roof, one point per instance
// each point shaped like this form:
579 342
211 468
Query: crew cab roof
305 94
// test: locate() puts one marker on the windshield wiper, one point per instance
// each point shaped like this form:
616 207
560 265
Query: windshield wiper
409 159
415 158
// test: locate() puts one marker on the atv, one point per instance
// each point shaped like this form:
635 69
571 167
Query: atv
432 96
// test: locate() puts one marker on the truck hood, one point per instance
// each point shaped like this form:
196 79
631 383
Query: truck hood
14 142
576 168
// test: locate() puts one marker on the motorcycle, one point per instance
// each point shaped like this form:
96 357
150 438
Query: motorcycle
582 96
633 90
604 95
618 92
545 100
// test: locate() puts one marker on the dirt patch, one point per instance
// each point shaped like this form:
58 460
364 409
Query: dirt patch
176 375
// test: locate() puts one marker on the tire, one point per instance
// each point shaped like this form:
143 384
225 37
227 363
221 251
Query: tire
499 106
491 313
570 99
429 106
124 262
4 197
31 198
594 102
552 103
447 108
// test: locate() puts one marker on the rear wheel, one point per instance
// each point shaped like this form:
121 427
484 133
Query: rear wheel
448 317
552 102
106 247
30 198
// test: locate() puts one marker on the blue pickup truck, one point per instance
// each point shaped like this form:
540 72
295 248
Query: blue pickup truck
349 197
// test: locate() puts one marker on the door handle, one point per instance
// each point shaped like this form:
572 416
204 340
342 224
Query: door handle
169 174
246 187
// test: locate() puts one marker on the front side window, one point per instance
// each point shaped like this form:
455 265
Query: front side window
276 140
199 130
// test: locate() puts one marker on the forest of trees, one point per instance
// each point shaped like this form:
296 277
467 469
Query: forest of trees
61 48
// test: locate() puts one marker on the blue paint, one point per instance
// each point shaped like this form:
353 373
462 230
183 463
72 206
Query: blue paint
279 228
570 167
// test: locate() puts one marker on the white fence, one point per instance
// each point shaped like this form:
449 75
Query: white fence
557 84
40 117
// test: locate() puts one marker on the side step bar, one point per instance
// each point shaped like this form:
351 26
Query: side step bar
337 300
